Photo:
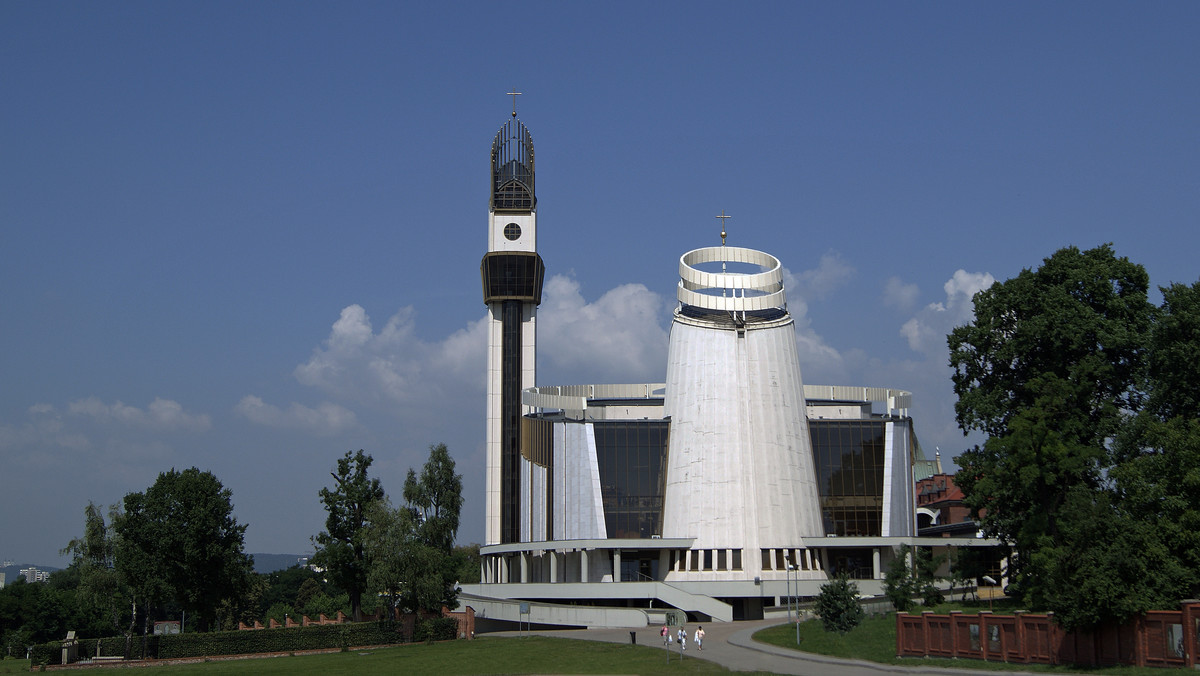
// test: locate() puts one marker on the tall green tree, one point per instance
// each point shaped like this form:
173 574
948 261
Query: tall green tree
94 556
1050 368
413 560
1076 328
179 541
1157 479
340 548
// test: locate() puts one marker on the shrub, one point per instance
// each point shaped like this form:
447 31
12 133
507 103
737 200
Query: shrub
198 644
279 612
838 606
436 629
931 596
323 604
898 583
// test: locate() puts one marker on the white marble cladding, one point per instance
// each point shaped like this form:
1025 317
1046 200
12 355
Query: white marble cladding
578 505
740 470
899 486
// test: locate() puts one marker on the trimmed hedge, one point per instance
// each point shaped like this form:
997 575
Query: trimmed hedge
319 637
436 629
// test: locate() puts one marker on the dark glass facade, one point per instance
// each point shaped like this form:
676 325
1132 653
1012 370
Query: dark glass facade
633 470
510 421
848 456
512 275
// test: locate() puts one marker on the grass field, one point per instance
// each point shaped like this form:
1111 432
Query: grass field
484 655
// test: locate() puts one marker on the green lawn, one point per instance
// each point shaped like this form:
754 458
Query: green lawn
875 640
486 655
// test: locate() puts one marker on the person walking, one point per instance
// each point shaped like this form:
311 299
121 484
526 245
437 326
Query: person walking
682 638
666 636
699 638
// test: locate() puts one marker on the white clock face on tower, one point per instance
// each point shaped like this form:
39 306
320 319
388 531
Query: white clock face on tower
512 232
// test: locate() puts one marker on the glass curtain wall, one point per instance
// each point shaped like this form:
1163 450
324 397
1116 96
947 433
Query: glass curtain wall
632 456
849 460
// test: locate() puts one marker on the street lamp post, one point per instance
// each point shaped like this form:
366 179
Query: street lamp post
789 591
790 568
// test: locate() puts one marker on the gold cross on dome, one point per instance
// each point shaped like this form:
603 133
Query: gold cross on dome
723 217
514 93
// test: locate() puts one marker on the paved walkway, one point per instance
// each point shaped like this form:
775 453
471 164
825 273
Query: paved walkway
730 645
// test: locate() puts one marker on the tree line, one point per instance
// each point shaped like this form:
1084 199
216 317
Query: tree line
176 551
1089 395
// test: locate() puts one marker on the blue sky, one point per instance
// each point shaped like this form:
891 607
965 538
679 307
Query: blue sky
246 236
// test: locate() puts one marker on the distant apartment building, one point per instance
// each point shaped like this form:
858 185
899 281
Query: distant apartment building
32 575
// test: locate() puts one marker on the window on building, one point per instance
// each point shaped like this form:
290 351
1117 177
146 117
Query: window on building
632 458
849 460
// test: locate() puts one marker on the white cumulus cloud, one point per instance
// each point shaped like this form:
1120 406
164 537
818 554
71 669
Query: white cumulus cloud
618 338
926 332
819 283
899 295
160 414
393 365
326 419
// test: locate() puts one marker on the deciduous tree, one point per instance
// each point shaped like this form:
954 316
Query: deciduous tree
1050 368
94 556
413 560
180 541
341 546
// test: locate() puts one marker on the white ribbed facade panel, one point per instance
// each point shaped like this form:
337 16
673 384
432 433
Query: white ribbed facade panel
899 518
740 472
579 508
492 440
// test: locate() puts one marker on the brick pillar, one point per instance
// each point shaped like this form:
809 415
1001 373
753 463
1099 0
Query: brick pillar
1191 627
925 631
984 617
1140 641
955 616
1054 637
1019 636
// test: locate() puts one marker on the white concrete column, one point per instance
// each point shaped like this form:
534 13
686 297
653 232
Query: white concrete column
583 565
553 566
524 567
664 562
616 556
503 568
876 573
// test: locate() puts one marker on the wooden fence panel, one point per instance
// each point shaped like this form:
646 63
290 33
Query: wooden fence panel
1163 638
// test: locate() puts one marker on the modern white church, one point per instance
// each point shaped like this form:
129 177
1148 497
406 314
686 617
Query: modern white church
720 494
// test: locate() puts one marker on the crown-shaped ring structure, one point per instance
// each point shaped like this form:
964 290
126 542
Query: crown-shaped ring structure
731 291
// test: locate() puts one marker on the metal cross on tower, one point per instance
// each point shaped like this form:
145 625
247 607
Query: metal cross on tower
723 217
514 94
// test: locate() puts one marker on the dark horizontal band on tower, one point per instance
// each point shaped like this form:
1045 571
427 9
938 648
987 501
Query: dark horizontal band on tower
512 275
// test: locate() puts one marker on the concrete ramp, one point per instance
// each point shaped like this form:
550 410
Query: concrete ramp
546 607
541 612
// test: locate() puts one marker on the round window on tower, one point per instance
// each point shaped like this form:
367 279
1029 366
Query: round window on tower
512 232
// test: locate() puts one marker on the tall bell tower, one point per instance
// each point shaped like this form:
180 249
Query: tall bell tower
512 274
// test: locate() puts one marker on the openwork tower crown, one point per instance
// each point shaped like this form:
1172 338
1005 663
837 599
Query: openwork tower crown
512 169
